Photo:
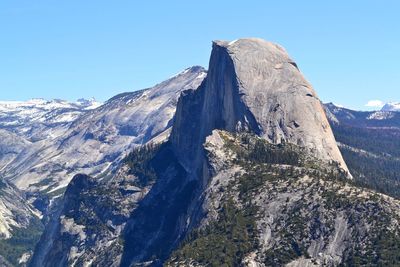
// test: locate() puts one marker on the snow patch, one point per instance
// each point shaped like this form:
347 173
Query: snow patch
391 106
381 115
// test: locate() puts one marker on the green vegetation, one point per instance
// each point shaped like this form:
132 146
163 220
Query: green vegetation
224 242
140 164
380 141
23 240
257 150
263 152
333 200
309 210
380 172
382 248
292 243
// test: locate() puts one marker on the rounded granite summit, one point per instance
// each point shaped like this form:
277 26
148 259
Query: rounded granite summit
253 84
254 44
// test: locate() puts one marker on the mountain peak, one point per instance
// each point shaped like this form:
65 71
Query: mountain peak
253 85
191 70
87 104
247 41
391 106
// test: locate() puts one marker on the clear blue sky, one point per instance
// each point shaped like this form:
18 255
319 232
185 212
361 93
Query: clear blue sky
349 50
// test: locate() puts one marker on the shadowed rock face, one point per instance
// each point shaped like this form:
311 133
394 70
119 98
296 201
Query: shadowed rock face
253 85
96 139
87 222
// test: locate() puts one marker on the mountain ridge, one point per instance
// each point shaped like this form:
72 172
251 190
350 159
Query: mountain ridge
267 101
391 106
118 124
234 166
218 105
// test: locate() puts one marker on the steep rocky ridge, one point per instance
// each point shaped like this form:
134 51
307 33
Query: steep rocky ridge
370 144
14 210
242 180
253 85
121 124
268 207
87 228
96 141
45 143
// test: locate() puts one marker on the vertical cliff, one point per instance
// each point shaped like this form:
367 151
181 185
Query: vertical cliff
253 85
251 162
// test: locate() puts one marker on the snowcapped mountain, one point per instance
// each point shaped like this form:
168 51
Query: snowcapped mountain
381 118
231 158
391 106
245 178
34 117
91 140
13 113
43 144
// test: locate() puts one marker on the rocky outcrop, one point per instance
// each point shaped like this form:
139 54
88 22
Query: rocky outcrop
253 85
97 139
15 212
251 175
265 210
57 242
86 229
20 226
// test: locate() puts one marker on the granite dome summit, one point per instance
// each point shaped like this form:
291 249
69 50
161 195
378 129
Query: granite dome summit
253 85
247 173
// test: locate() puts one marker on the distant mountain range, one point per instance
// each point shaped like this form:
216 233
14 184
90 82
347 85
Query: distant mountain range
362 118
240 165
31 119
392 106
43 144
48 142
370 144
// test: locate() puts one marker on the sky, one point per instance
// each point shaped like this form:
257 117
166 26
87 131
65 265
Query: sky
348 50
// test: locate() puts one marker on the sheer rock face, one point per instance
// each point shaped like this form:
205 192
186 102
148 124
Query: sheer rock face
253 85
300 216
97 139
